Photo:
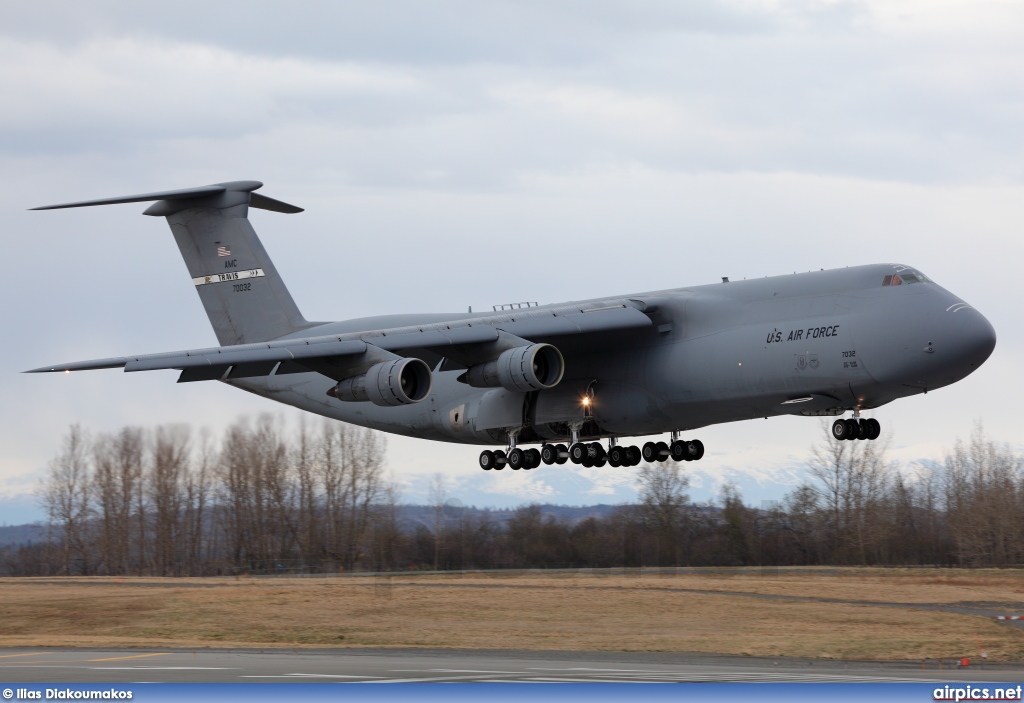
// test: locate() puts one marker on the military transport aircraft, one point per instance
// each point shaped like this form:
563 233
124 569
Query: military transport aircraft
565 376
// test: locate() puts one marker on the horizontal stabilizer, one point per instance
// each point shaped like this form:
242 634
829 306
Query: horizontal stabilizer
264 203
255 200
199 192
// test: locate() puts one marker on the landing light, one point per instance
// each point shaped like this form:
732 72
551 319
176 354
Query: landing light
586 400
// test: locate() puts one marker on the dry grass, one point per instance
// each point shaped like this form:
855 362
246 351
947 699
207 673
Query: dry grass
527 611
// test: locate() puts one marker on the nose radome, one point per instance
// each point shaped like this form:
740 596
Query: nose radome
983 337
972 340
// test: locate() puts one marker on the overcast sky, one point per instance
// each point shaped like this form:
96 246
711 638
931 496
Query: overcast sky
472 153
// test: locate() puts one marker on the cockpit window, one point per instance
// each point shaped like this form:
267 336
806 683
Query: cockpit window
908 278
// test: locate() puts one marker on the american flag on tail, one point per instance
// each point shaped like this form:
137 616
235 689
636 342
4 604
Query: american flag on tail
223 251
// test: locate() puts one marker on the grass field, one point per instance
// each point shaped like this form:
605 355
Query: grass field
770 613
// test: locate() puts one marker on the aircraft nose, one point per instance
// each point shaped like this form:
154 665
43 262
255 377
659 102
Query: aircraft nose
978 337
967 339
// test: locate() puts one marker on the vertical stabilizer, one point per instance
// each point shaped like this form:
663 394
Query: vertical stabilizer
244 296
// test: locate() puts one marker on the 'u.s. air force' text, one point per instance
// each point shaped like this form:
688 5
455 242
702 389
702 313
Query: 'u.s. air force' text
798 334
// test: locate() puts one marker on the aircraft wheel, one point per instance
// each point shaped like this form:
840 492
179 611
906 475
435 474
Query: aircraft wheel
578 452
486 460
563 454
862 429
663 452
874 428
634 455
597 451
549 454
851 426
679 450
601 461
533 458
500 460
516 459
587 462
618 456
840 430
650 452
696 450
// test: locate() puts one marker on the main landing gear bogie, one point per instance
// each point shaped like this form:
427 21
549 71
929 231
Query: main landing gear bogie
856 428
590 454
516 459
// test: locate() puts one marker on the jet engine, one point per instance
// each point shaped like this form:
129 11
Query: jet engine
398 382
535 367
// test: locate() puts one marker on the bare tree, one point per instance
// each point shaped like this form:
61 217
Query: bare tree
852 482
118 472
438 496
663 497
168 469
351 464
983 495
66 497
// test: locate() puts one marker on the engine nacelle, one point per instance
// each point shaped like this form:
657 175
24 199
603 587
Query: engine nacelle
398 382
535 367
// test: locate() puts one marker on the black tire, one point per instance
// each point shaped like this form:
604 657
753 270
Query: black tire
862 429
618 456
678 450
663 451
500 459
601 461
851 425
532 458
874 429
516 459
650 452
597 451
549 454
840 431
634 454
587 462
578 452
486 460
696 449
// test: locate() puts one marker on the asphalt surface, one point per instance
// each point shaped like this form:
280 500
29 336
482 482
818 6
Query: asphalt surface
451 665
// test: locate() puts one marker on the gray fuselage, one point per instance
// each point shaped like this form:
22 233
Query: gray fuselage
817 343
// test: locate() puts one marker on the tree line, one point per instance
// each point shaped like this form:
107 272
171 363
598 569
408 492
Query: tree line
266 498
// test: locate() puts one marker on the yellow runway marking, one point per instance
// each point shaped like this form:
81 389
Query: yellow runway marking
30 654
134 656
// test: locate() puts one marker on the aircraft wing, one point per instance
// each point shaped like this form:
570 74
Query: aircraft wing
468 341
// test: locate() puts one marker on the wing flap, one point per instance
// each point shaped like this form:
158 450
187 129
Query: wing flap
203 373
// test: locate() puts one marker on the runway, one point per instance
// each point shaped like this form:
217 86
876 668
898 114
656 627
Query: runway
453 665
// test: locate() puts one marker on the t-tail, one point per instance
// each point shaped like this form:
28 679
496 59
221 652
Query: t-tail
237 283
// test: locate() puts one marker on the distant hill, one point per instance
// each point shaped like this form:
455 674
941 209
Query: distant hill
408 517
572 514
21 535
